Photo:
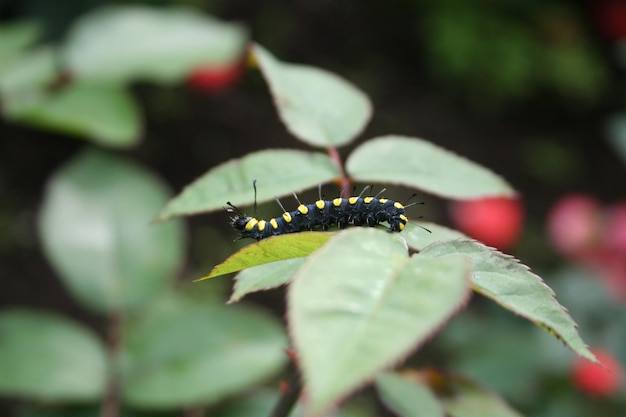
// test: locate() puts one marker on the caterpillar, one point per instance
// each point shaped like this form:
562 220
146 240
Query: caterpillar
340 212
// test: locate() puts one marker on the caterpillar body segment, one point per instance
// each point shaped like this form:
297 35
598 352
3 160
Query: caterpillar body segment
340 212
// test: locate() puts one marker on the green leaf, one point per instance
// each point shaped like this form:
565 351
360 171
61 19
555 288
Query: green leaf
470 399
407 398
360 304
259 402
15 37
126 43
417 238
575 71
272 249
96 231
511 284
49 358
104 114
420 164
28 71
24 81
279 172
317 106
264 277
504 353
180 353
434 393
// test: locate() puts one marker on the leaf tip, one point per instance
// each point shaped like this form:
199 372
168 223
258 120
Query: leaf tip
205 277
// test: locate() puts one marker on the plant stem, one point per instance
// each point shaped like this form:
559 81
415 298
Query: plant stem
345 180
289 396
110 406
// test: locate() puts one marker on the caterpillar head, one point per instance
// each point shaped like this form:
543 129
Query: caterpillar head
238 219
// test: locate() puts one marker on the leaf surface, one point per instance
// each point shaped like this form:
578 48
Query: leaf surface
24 79
360 304
511 284
96 231
272 249
471 399
279 172
417 238
181 352
408 398
317 106
264 277
128 43
420 164
15 37
49 358
104 114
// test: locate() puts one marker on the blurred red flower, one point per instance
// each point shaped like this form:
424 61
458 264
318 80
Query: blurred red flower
594 379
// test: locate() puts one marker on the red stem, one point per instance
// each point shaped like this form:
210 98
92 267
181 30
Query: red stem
290 391
344 180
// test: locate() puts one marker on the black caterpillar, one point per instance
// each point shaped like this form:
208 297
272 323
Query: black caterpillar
358 211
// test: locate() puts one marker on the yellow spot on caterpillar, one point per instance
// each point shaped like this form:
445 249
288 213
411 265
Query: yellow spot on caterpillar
251 223
353 200
262 225
337 202
403 217
287 217
401 226
274 223
368 200
320 204
303 209
398 205
383 200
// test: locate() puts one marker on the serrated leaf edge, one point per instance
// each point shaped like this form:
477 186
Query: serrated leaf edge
590 356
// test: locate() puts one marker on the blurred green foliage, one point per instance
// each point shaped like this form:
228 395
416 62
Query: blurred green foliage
500 53
492 55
